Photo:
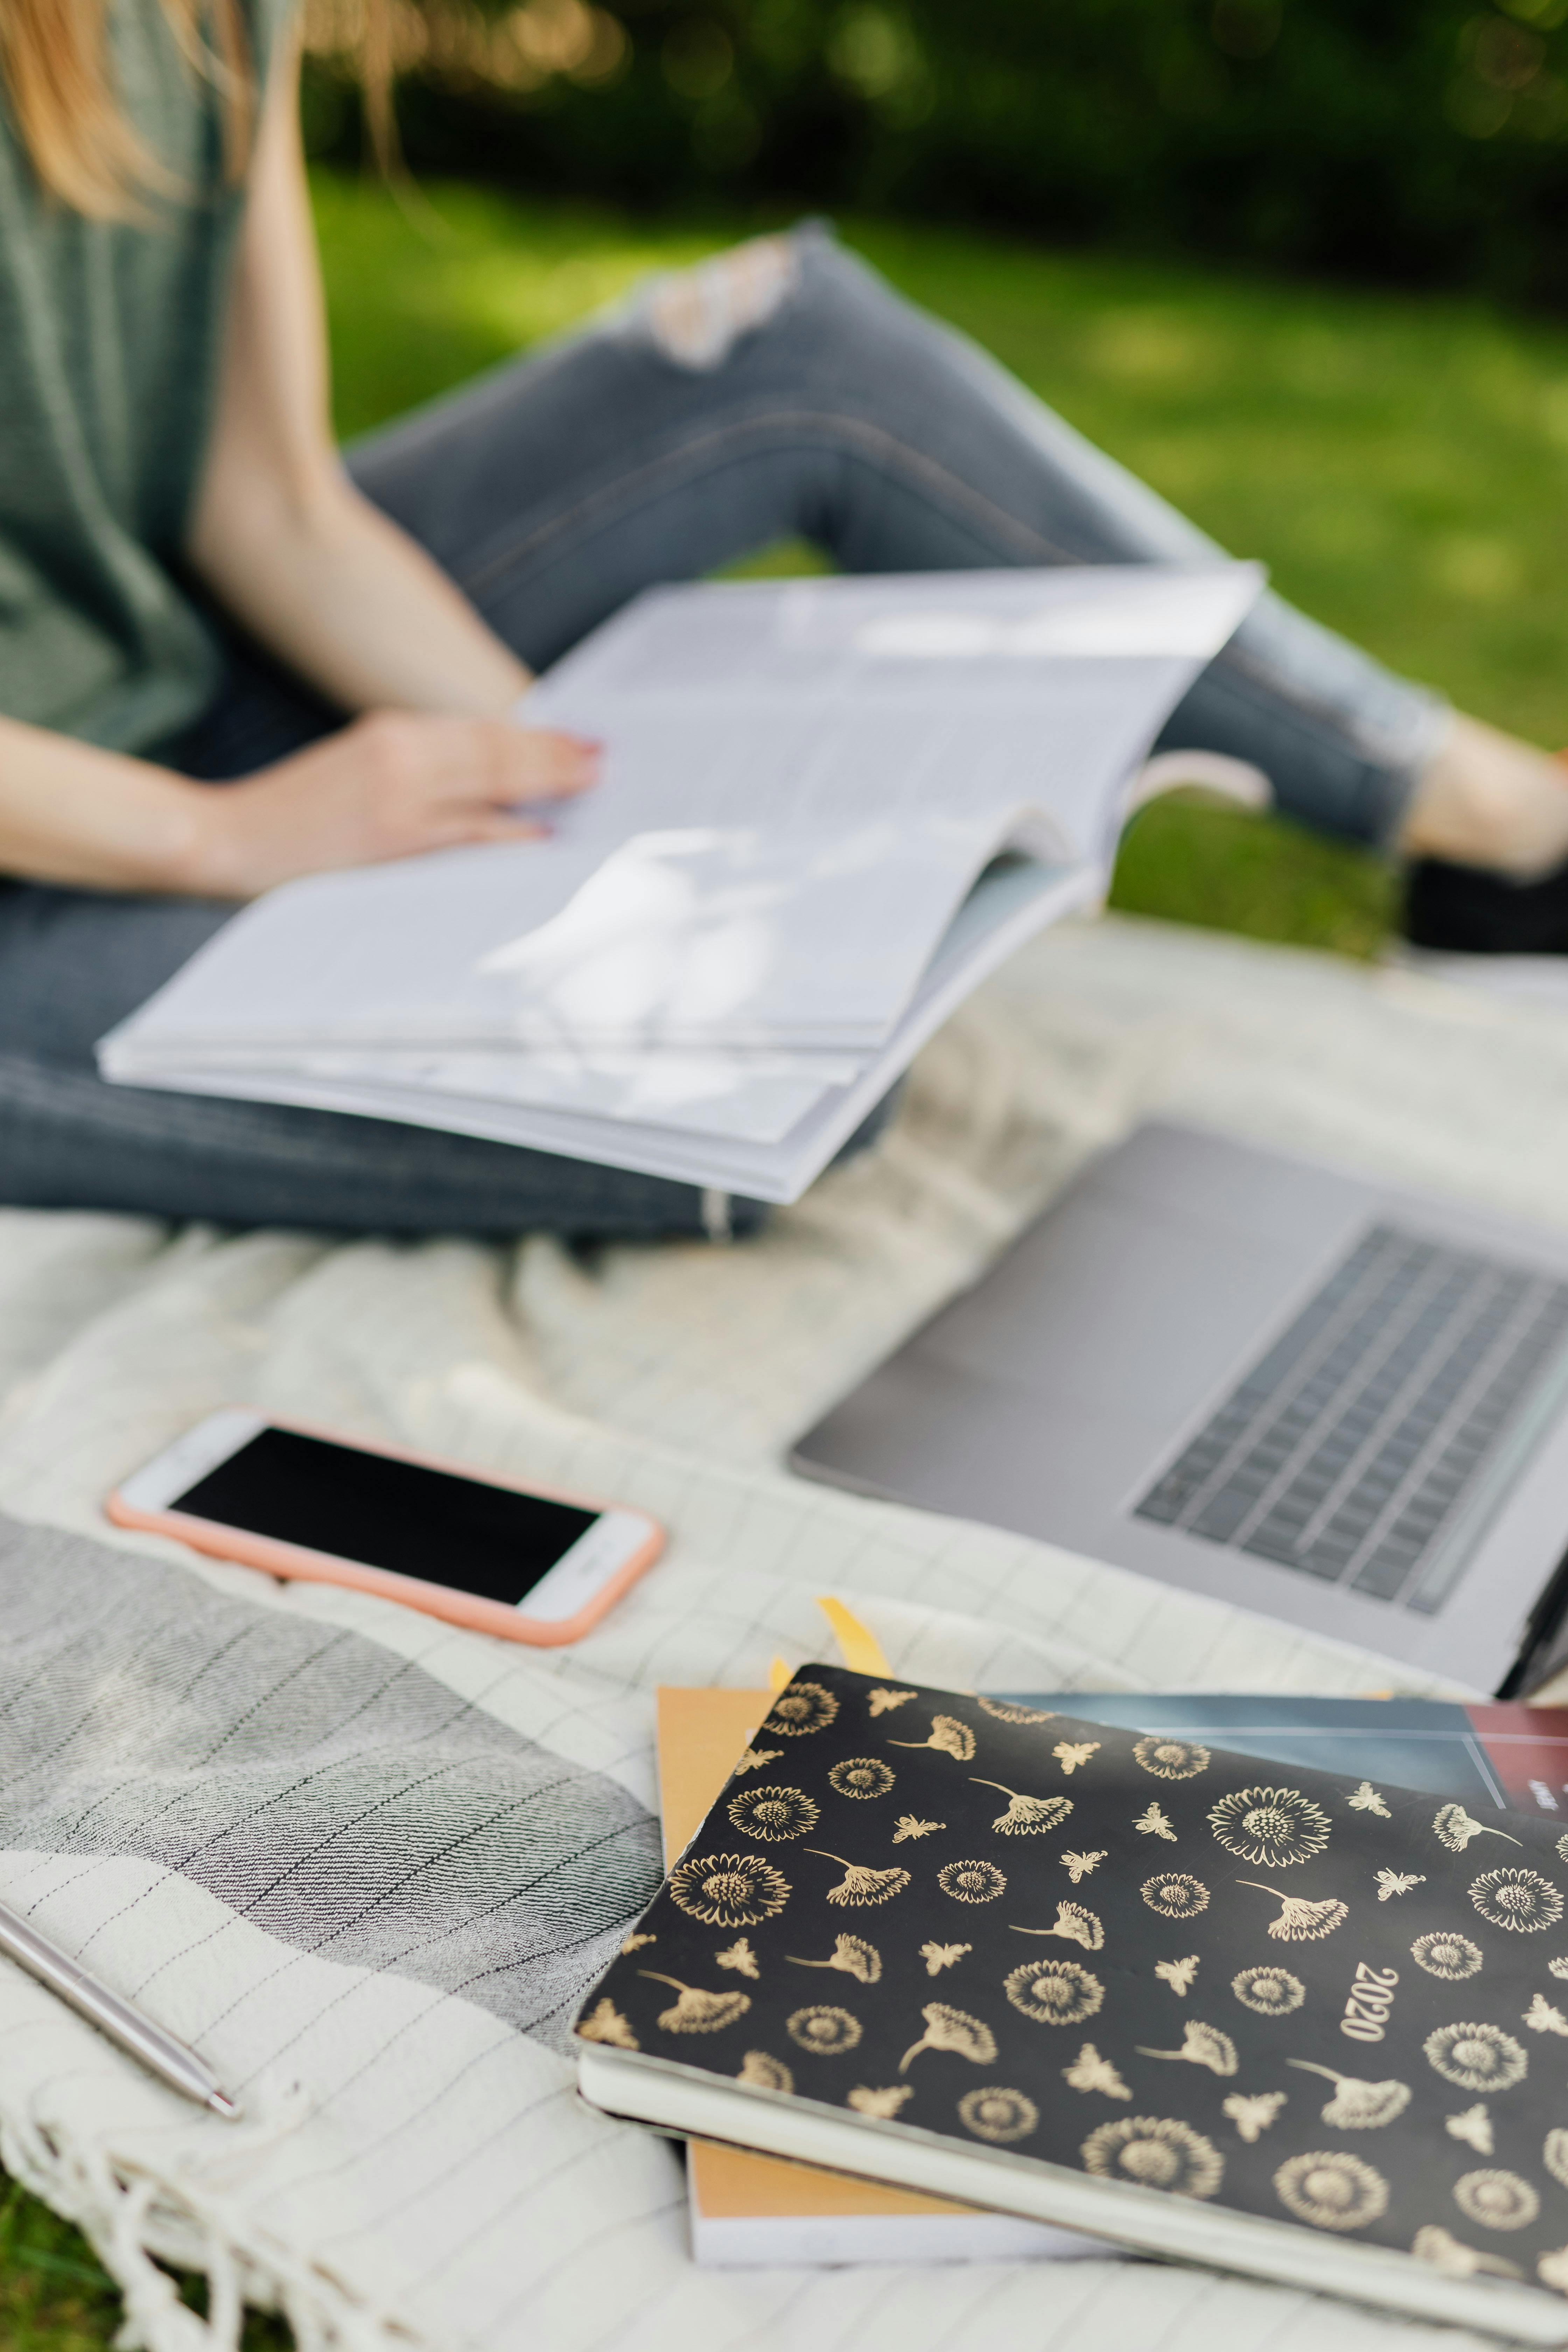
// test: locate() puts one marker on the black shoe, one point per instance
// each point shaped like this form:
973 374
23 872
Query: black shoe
1461 910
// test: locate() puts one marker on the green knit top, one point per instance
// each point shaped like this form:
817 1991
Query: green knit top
110 341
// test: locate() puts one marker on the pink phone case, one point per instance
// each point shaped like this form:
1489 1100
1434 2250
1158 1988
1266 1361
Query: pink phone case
466 1609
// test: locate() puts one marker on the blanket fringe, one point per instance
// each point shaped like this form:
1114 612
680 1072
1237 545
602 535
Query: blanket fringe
139 2209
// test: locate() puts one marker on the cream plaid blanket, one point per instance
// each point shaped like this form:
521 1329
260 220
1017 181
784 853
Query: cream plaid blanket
368 1862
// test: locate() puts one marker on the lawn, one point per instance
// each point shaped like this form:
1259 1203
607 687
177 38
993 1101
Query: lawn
1396 460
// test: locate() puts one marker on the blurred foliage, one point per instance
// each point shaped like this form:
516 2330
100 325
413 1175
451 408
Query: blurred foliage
1415 140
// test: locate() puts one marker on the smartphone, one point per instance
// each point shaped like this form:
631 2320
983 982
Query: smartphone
486 1553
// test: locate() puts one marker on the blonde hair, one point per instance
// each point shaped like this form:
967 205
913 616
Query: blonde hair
58 75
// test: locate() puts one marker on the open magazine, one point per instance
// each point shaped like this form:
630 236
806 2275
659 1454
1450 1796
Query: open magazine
829 809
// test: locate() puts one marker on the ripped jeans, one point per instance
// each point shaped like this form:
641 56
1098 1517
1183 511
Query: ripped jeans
781 391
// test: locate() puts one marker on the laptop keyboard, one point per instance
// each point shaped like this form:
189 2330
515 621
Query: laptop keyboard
1358 1444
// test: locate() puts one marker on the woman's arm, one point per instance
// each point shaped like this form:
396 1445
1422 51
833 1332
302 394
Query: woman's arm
287 544
390 785
342 594
280 534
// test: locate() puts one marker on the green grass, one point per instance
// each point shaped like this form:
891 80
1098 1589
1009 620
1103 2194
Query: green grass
55 2296
1399 461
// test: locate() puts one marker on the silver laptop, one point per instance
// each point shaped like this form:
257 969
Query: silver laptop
1338 1403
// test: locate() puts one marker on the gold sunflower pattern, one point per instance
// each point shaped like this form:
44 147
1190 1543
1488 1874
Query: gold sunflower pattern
1175 1895
1273 1827
1331 2190
1496 2201
1442 1954
1268 1993
826 2032
802 1709
972 1882
1157 2152
1277 1829
1519 1899
1000 2116
772 1814
861 1775
1055 1992
1170 1760
728 1890
1479 2057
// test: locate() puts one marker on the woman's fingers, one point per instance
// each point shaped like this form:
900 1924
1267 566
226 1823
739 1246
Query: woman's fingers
492 761
544 764
413 757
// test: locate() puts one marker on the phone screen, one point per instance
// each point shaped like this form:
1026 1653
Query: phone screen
428 1523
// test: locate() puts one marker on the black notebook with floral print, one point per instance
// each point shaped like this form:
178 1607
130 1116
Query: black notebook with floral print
1293 2024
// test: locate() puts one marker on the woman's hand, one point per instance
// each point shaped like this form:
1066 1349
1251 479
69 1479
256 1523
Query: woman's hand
390 785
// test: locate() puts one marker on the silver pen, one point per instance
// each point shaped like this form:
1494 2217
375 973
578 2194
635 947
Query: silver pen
159 2052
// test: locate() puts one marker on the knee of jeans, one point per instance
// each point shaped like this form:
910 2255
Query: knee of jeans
696 317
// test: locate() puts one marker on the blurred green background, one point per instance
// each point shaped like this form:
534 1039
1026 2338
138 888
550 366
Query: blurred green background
1425 141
